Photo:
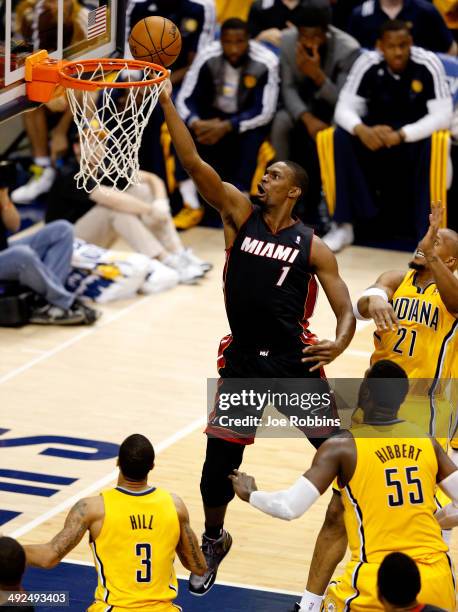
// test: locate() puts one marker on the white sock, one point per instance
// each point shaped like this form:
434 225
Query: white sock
189 193
310 602
43 162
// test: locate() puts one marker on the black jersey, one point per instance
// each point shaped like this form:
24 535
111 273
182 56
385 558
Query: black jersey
269 286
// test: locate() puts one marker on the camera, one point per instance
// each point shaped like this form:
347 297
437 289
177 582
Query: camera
7 174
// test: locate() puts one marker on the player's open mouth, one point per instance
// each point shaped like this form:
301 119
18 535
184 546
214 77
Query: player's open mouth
261 190
419 253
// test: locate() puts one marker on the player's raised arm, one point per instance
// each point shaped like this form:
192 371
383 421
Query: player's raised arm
233 206
325 265
188 549
447 479
335 457
374 302
434 242
76 524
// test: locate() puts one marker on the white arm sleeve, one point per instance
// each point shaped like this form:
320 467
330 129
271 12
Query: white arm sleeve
349 111
288 504
439 117
447 517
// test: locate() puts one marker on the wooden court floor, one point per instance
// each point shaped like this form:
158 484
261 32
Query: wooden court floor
64 393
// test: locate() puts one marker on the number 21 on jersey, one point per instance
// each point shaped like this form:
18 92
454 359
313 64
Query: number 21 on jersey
406 342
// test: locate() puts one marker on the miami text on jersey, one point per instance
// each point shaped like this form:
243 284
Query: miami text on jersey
269 249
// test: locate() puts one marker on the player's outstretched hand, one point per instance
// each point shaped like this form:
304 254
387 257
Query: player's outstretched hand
322 352
243 484
166 91
382 313
435 219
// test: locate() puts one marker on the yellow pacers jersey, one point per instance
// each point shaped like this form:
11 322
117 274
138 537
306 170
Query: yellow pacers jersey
425 347
427 336
389 502
135 549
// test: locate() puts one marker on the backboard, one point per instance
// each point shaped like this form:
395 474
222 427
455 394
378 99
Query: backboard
67 29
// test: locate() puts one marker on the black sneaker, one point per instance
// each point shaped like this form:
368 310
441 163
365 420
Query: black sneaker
214 552
90 314
53 315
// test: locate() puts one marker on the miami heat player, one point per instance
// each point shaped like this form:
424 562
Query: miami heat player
272 264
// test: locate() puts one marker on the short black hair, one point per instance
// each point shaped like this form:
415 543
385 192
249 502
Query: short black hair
136 457
12 562
387 395
398 579
313 15
394 25
234 23
300 176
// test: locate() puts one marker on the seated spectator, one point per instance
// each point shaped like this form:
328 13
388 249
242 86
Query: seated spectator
140 215
36 22
269 18
393 101
314 60
228 98
399 582
12 568
428 26
42 262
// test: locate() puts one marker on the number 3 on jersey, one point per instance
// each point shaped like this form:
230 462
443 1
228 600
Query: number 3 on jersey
401 345
144 552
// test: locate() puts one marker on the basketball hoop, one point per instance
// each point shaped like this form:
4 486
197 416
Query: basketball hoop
111 101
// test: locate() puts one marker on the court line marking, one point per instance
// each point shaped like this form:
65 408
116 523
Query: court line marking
44 355
218 582
356 353
105 480
73 340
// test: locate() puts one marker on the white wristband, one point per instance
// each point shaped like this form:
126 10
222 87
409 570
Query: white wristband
289 504
375 291
357 314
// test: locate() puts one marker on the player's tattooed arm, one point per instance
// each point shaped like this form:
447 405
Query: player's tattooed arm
188 549
76 524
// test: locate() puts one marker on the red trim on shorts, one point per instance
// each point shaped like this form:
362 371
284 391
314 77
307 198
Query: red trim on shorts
307 337
223 345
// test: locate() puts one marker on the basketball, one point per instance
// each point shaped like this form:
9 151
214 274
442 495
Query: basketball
155 39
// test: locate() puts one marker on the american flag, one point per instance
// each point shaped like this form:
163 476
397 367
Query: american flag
97 22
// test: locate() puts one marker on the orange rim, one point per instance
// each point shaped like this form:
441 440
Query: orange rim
69 69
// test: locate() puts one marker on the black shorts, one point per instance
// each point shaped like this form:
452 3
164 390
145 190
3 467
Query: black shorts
285 374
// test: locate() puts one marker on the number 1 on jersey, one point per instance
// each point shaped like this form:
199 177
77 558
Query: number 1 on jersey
284 272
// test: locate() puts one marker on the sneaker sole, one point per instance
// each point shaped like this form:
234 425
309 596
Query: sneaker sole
194 593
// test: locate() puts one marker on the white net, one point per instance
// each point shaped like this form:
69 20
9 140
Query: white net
110 124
